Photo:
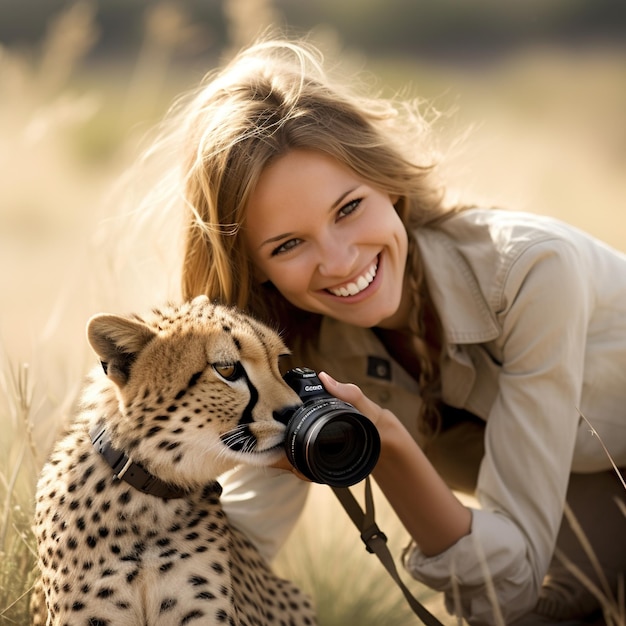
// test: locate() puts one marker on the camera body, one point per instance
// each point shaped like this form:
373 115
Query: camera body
328 440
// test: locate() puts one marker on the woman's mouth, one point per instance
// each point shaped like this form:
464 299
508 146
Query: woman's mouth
358 285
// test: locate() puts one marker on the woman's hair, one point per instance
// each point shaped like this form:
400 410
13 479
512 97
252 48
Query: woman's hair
273 97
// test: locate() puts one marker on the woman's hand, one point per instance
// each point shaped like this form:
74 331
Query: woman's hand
353 394
284 464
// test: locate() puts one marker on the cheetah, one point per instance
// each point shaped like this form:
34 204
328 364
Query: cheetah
129 527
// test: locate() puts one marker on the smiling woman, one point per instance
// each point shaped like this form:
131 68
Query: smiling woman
471 337
341 252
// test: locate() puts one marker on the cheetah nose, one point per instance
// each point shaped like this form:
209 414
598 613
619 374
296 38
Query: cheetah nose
284 415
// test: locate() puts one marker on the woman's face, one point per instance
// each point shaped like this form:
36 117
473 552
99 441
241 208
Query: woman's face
328 241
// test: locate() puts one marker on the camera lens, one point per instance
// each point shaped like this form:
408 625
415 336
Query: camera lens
335 442
338 448
329 442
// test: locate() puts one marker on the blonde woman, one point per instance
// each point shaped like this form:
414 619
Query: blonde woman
473 338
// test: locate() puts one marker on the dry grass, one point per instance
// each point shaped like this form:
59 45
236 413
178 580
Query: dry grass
547 134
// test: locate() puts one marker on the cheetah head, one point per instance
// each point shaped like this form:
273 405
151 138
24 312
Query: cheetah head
197 386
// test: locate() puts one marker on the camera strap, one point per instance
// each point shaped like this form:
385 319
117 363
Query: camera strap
376 542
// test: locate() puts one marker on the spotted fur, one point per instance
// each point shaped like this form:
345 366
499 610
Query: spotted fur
189 392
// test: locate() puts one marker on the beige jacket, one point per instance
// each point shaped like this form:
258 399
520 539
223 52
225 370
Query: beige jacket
534 319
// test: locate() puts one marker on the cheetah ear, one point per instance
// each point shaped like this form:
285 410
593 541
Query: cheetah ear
117 341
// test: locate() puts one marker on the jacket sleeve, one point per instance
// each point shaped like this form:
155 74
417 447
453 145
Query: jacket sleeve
543 310
264 503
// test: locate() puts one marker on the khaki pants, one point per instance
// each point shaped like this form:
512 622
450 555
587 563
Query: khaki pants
564 598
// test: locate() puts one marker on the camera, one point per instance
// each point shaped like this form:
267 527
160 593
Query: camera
327 440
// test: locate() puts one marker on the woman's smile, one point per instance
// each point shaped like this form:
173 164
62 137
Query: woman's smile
328 241
358 285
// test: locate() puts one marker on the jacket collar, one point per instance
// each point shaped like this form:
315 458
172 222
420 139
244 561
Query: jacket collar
464 313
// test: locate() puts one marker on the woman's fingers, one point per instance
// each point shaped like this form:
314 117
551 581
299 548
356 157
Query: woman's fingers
349 392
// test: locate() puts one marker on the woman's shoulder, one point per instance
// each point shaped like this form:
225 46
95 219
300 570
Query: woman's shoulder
505 228
476 262
495 237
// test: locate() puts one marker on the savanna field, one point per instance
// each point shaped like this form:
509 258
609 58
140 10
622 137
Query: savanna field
543 130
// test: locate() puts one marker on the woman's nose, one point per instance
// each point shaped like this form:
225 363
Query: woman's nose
336 257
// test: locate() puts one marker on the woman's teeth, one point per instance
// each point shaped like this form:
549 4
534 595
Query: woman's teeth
351 289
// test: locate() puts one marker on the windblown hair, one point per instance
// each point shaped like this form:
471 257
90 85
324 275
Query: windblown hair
272 98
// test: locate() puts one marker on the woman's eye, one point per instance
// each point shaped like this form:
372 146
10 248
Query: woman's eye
228 371
344 211
285 247
350 207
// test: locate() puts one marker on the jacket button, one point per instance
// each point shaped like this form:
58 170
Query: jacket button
384 396
378 368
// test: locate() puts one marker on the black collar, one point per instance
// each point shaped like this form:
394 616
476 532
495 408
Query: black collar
133 473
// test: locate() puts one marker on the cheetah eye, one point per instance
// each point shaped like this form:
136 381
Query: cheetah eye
229 371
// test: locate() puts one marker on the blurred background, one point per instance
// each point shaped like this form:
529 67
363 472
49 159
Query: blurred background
528 100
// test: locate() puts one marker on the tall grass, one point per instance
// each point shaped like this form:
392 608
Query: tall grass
19 467
66 139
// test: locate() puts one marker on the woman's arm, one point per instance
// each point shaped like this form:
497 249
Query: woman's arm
264 503
430 512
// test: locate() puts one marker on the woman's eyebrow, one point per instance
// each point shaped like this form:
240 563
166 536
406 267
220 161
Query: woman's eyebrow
275 239
341 198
